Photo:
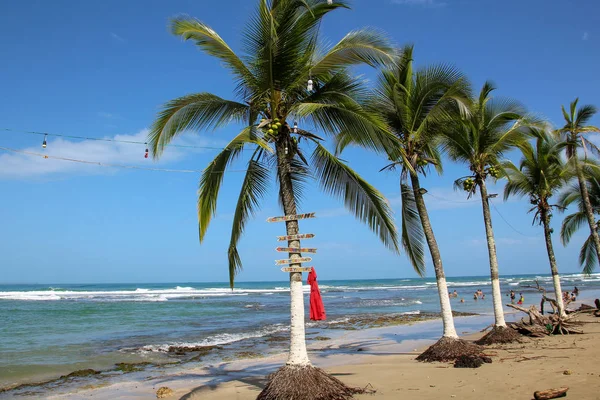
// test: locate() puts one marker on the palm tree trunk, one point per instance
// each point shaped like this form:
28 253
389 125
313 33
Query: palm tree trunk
489 233
446 309
298 355
587 205
552 259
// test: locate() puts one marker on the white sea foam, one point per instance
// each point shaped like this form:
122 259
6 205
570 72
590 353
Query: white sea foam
214 340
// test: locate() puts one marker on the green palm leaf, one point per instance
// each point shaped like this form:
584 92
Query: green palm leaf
571 224
588 257
254 188
366 203
210 182
193 112
412 230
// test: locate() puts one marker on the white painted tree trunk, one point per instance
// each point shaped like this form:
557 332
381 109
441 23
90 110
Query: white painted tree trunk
447 318
298 355
552 259
494 275
442 286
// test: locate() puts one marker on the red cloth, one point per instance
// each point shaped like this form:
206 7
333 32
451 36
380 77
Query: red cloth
317 309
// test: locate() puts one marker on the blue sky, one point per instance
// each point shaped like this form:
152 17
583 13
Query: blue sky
102 69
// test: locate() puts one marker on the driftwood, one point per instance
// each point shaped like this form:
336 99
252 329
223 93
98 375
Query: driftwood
541 325
550 393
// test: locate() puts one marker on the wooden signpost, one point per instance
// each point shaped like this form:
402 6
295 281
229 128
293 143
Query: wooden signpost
294 261
291 217
296 237
296 249
296 269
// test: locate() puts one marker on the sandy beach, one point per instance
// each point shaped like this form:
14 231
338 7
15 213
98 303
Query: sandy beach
383 359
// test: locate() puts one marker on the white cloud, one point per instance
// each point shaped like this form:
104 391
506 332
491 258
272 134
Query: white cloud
585 36
117 37
17 165
422 3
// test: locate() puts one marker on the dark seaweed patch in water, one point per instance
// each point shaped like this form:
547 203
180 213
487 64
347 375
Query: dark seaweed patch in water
183 350
44 386
131 367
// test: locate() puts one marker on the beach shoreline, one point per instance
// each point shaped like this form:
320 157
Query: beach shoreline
517 371
341 340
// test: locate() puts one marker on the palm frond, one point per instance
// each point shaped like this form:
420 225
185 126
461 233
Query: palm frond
584 114
212 177
209 41
363 200
254 188
412 231
571 224
365 46
588 258
192 112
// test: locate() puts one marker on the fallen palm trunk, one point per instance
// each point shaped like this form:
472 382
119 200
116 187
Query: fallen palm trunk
540 325
550 393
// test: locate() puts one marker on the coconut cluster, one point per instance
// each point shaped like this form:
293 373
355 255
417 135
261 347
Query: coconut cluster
493 171
468 184
273 128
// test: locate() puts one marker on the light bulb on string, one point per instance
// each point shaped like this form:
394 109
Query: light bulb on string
309 86
44 144
286 150
330 2
295 130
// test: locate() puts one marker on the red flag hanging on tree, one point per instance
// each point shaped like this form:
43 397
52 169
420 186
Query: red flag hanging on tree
317 310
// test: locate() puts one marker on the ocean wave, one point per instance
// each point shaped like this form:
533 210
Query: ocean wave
388 302
139 294
214 340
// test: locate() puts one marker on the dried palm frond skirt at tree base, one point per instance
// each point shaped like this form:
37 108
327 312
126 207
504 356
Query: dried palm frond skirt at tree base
306 383
471 361
449 349
499 335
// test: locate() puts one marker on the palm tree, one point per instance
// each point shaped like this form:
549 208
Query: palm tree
588 255
491 128
415 106
575 128
541 174
287 87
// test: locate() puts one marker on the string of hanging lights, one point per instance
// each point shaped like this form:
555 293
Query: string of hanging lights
146 152
111 165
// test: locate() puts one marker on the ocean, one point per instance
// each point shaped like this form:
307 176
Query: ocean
51 330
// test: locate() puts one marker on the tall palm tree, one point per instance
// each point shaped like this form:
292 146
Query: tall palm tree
576 126
588 255
415 106
287 87
491 128
542 172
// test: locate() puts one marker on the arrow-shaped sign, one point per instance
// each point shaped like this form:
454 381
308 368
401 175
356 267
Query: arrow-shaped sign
296 269
294 261
291 217
296 237
296 249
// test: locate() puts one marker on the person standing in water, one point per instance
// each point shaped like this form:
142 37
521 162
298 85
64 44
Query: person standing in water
521 299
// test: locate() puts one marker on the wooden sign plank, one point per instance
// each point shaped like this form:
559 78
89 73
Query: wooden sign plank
291 217
294 261
296 237
296 269
296 249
